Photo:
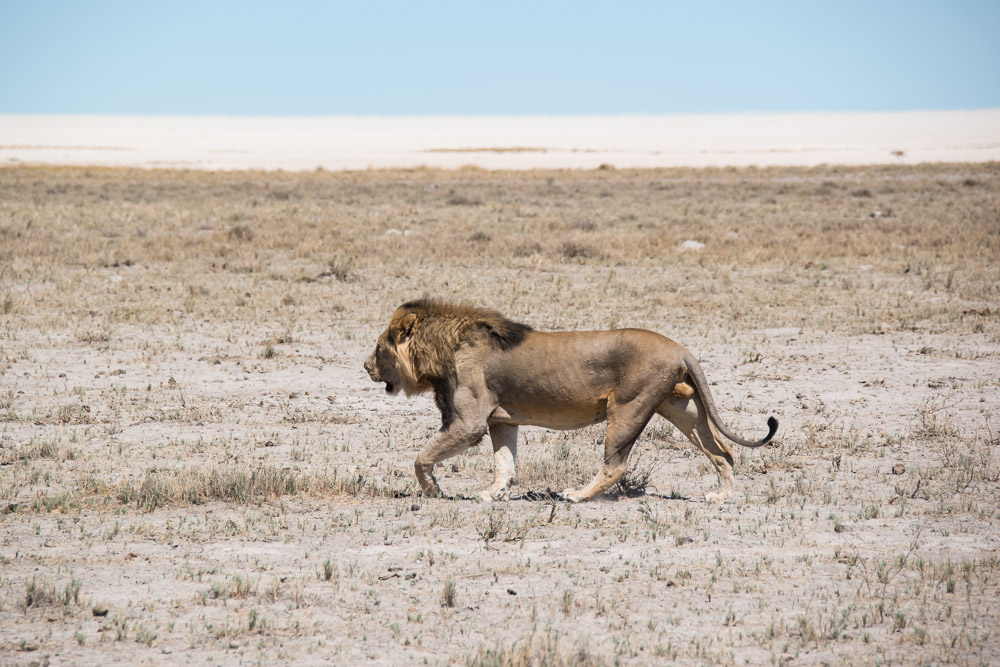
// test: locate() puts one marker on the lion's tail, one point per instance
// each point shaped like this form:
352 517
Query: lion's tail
701 385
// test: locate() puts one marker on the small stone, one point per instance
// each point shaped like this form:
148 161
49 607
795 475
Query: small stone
100 609
898 469
511 591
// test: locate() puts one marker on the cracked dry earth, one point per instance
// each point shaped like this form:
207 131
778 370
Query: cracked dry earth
195 468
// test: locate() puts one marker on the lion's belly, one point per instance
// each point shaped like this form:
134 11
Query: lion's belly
551 416
562 380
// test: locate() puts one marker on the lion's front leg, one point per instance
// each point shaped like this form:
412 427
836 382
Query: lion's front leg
504 438
428 483
446 444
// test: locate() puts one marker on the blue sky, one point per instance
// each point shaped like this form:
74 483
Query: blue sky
411 58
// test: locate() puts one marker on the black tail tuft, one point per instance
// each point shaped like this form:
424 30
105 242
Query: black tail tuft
772 428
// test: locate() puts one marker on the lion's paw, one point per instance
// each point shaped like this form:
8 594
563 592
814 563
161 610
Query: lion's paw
570 495
717 498
432 492
499 495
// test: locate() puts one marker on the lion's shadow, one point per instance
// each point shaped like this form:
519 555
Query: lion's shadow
549 496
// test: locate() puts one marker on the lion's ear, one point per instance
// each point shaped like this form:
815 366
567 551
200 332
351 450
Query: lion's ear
404 328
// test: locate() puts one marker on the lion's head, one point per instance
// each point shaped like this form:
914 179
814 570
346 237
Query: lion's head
390 361
416 352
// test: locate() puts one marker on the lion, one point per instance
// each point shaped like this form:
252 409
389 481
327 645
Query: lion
490 374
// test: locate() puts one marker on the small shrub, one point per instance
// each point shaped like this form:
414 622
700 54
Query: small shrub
8 304
448 595
121 626
339 268
144 635
39 593
567 602
462 200
240 233
71 594
243 587
492 527
574 250
297 593
526 249
636 478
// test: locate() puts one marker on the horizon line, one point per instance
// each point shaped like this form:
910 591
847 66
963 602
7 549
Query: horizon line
621 114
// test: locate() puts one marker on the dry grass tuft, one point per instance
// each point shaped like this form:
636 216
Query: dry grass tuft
641 470
8 304
536 649
192 486
41 592
574 250
35 450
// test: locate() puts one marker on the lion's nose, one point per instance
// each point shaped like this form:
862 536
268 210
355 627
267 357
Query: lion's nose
370 367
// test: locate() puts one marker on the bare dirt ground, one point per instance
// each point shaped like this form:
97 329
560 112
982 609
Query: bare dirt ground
195 468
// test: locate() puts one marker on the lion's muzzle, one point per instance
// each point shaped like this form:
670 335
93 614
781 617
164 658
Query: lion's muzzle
374 374
372 369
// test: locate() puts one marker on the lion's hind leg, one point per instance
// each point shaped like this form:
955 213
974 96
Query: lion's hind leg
625 423
689 415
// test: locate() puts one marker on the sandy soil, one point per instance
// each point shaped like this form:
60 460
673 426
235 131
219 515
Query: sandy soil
335 143
195 468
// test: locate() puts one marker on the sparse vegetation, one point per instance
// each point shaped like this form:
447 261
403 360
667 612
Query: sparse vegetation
642 468
449 594
240 485
192 461
538 649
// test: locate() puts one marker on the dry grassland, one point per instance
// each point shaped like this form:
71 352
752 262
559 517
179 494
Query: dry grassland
195 468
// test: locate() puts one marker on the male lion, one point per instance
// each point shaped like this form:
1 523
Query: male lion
491 374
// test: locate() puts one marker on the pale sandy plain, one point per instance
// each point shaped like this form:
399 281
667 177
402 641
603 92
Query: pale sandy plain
503 142
195 469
